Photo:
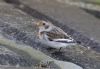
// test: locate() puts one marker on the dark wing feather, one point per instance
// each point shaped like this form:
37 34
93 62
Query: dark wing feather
56 34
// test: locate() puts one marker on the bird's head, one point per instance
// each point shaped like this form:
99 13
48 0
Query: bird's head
43 25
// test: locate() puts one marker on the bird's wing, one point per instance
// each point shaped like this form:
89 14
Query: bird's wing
58 34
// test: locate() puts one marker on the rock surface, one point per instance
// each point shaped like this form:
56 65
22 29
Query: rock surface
13 26
80 25
17 25
72 16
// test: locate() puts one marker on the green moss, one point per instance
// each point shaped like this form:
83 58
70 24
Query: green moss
92 1
95 1
98 1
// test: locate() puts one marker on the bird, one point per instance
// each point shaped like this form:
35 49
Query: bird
52 35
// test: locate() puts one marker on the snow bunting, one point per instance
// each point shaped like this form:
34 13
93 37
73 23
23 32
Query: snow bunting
53 36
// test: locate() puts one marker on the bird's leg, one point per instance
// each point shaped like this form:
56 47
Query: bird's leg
60 49
51 50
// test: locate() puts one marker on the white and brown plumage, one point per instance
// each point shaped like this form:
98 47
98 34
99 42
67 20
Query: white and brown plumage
53 36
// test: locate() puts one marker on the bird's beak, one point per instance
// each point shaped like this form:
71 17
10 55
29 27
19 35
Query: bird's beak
37 24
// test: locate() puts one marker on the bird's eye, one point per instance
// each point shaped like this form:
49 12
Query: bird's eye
43 23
